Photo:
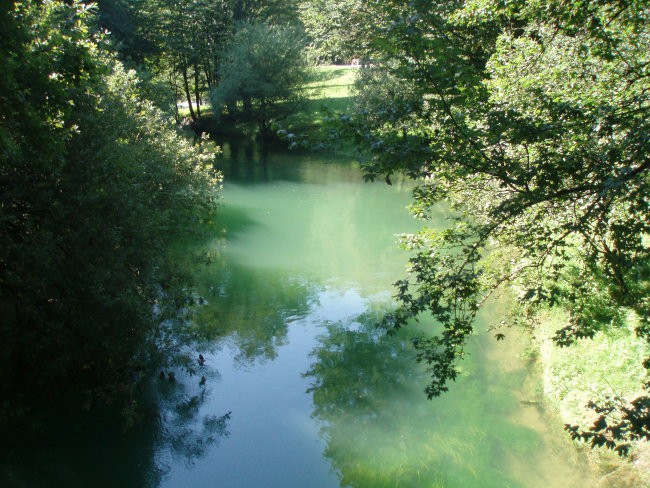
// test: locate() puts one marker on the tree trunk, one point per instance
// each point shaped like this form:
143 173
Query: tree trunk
197 91
187 92
209 77
263 123
172 81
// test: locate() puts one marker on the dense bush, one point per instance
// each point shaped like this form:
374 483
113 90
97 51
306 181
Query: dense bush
265 69
95 185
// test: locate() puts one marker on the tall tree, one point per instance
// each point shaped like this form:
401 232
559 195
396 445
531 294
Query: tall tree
530 120
188 39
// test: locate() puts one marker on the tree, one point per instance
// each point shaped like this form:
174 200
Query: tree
530 120
266 65
272 12
95 186
124 19
189 38
336 28
177 47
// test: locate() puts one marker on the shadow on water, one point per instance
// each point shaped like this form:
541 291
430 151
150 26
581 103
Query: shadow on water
100 448
251 308
81 449
244 160
233 221
247 163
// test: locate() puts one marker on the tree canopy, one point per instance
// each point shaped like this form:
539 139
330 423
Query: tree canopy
530 120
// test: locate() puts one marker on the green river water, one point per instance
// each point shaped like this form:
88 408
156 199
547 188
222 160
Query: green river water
301 389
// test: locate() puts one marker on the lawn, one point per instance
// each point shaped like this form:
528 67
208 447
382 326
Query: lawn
329 94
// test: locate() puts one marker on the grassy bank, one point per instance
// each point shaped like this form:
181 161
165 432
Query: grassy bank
591 370
329 92
327 95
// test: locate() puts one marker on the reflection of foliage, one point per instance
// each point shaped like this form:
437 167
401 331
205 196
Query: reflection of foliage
380 431
251 308
337 387
192 443
187 432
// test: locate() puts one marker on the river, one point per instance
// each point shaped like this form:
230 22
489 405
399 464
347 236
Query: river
299 389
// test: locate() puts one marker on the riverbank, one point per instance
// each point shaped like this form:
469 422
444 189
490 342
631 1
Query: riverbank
591 370
328 96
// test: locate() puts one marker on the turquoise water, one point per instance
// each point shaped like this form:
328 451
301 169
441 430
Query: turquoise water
320 397
299 388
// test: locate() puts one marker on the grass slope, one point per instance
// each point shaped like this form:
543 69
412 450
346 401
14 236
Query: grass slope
592 369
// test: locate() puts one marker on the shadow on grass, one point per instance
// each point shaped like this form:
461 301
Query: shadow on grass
328 86
309 123
316 111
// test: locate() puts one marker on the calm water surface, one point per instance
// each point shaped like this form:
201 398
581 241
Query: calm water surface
300 389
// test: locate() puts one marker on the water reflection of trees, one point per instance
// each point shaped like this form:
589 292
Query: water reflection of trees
381 431
82 449
251 308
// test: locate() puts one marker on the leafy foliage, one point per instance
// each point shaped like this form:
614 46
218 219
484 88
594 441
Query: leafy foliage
265 64
334 28
272 12
188 38
178 47
530 120
94 188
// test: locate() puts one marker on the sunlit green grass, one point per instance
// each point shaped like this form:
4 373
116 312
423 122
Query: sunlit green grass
206 110
590 370
332 82
329 95
608 364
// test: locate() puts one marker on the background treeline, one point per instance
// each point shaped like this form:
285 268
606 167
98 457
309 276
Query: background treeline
181 47
229 60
